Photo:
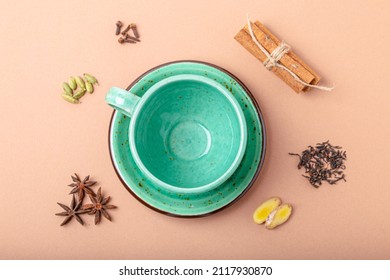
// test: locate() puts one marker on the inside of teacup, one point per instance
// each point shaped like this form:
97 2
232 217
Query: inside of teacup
189 134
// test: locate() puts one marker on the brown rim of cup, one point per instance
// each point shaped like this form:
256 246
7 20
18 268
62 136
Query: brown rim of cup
263 148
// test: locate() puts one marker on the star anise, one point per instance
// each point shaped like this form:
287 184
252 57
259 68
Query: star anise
72 211
81 187
99 206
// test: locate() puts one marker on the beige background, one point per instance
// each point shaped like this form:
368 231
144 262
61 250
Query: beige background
44 139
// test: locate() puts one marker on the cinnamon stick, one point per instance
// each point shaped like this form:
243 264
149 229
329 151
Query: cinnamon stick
290 60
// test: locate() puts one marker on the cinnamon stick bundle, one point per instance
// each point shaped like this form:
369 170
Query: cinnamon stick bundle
289 60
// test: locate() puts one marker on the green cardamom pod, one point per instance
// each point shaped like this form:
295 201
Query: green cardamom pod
80 82
67 88
90 78
69 98
89 87
80 93
72 83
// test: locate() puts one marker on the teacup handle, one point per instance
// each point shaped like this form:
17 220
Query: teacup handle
122 100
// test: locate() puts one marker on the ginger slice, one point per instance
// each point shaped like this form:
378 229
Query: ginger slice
265 209
279 216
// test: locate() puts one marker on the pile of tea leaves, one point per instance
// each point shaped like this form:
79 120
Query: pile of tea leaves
323 162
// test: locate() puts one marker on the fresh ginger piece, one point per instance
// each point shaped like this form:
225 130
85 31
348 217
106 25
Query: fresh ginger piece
265 209
279 216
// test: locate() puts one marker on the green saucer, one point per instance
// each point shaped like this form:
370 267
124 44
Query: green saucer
199 204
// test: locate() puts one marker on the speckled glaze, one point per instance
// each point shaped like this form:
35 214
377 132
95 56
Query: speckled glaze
187 132
191 204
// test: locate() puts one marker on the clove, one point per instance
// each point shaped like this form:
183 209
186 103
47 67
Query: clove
122 40
124 32
119 25
134 28
128 37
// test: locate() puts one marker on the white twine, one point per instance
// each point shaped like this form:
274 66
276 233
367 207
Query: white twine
273 59
276 55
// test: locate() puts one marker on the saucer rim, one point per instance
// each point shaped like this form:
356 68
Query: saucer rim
263 144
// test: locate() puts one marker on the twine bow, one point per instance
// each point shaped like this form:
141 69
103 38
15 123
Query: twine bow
274 57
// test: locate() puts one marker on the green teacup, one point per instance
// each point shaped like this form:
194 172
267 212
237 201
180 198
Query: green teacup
187 132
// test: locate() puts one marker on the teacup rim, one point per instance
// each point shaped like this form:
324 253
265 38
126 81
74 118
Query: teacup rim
243 135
